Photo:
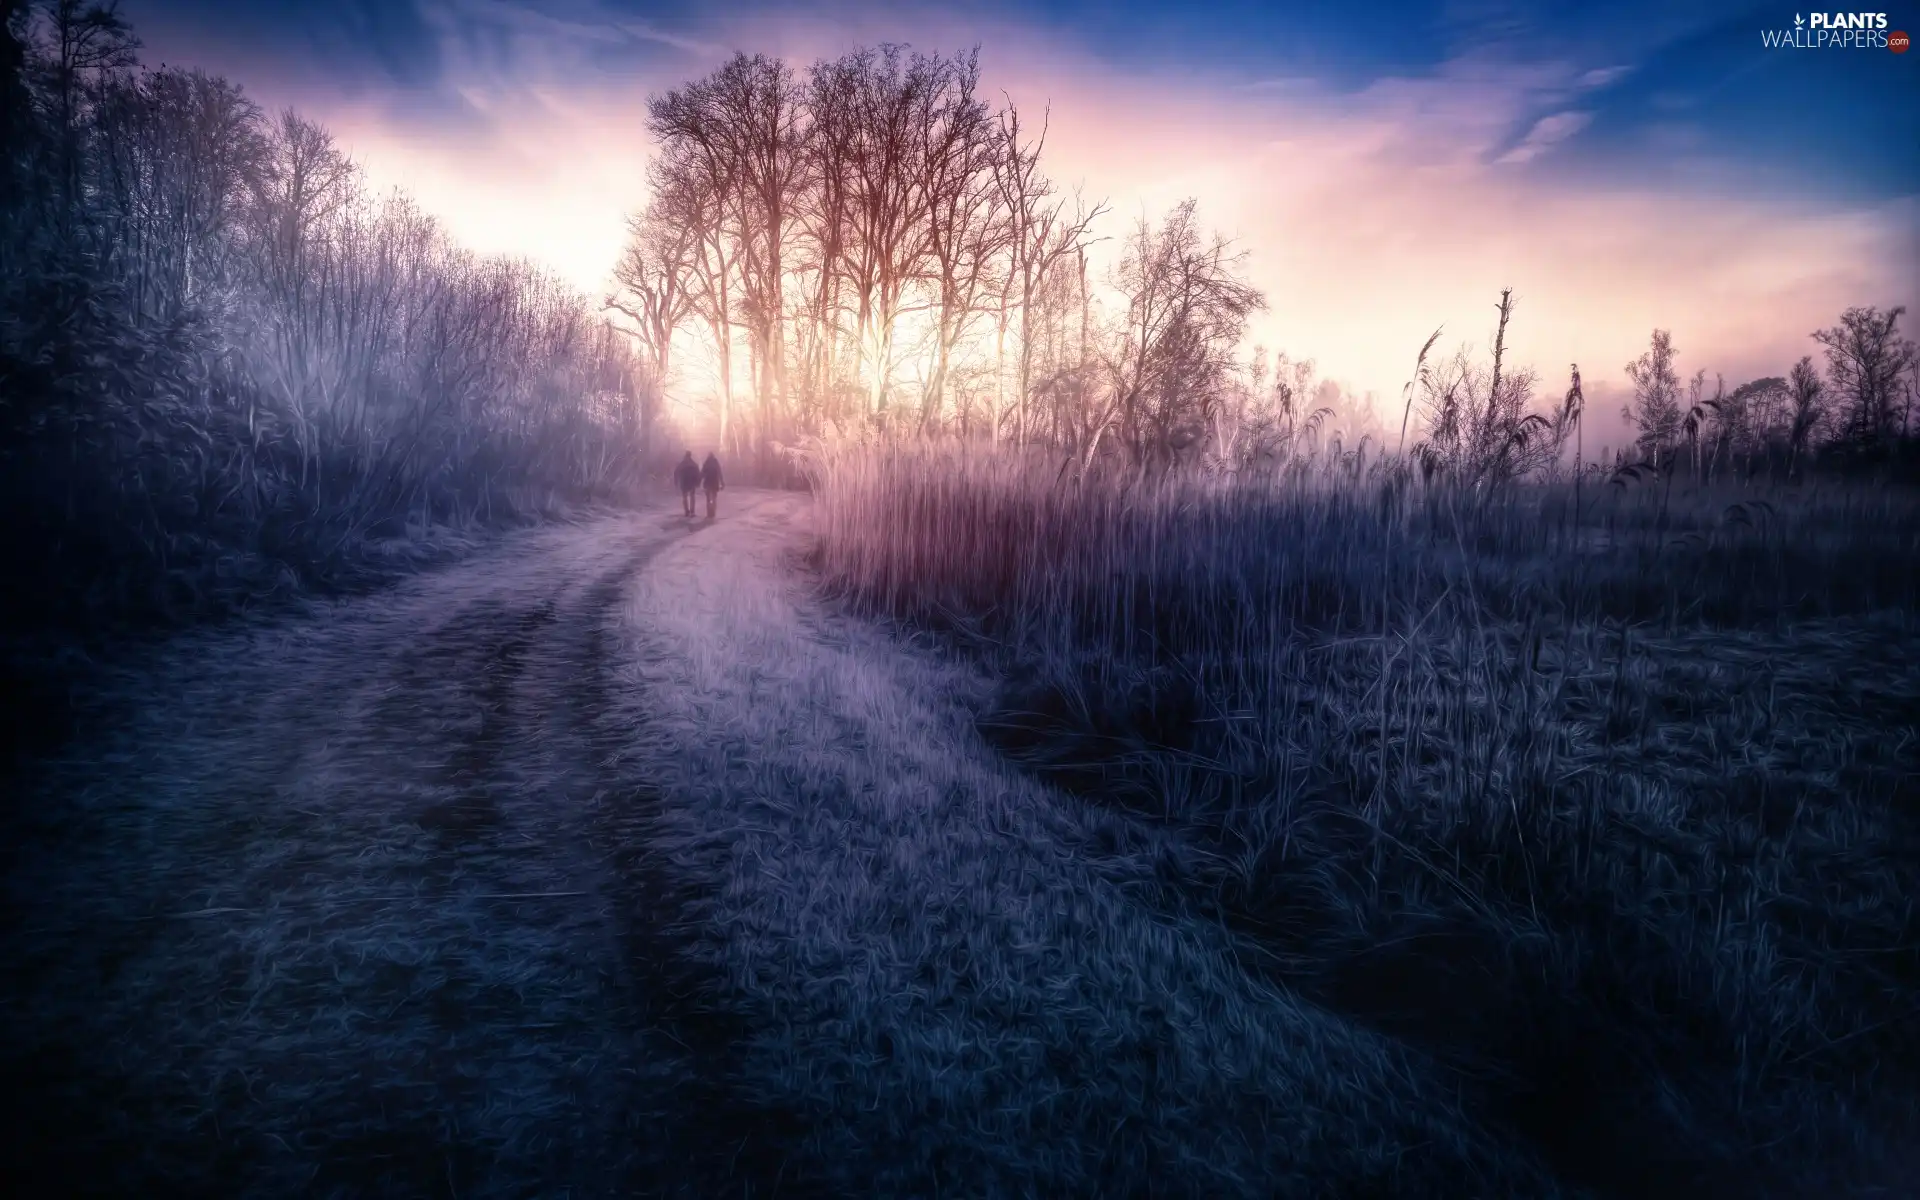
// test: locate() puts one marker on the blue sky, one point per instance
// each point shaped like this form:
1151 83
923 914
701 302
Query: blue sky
1390 166
1700 98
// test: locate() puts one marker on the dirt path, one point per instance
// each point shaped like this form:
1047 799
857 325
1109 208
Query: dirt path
350 907
958 981
614 862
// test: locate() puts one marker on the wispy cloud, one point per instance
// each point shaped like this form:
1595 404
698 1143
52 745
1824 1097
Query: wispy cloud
687 45
1374 211
1546 133
1282 83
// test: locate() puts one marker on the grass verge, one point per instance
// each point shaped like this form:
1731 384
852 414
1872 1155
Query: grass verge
966 983
1605 806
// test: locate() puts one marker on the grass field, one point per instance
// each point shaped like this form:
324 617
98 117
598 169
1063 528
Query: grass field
1037 838
1603 805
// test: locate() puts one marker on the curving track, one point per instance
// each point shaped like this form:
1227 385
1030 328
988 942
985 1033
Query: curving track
354 905
613 862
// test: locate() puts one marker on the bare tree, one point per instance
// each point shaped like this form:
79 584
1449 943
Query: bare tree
965 229
1807 390
893 96
17 124
1912 393
1063 378
89 40
691 181
265 358
1655 410
1866 357
1186 310
751 113
1039 235
303 180
656 274
825 213
882 187
1754 419
175 153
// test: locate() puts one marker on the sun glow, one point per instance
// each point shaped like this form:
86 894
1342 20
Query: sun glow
1370 221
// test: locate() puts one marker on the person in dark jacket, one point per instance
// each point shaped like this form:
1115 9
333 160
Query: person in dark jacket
687 475
711 481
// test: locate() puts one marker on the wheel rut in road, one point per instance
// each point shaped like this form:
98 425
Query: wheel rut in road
360 905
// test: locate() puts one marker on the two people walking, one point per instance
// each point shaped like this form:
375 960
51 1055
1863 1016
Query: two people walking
693 477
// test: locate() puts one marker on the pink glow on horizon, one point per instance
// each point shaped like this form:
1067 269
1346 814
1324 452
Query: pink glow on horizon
1371 219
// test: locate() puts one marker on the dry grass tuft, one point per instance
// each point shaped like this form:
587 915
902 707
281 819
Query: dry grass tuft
968 985
1608 812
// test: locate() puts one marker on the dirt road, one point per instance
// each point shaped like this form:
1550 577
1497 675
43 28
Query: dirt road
614 861
351 905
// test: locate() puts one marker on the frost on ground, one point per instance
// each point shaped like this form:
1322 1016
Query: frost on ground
953 981
615 863
332 912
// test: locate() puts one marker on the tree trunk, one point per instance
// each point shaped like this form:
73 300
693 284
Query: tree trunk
723 345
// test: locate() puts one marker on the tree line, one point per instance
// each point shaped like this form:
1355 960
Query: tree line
223 354
871 243
1859 410
875 242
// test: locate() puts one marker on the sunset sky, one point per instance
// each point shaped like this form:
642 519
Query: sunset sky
1390 166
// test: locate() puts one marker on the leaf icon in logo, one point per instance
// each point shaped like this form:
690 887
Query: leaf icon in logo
1797 21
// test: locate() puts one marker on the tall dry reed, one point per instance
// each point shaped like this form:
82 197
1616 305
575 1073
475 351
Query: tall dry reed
1608 807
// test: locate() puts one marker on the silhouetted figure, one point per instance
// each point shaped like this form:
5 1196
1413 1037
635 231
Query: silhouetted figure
711 481
687 475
